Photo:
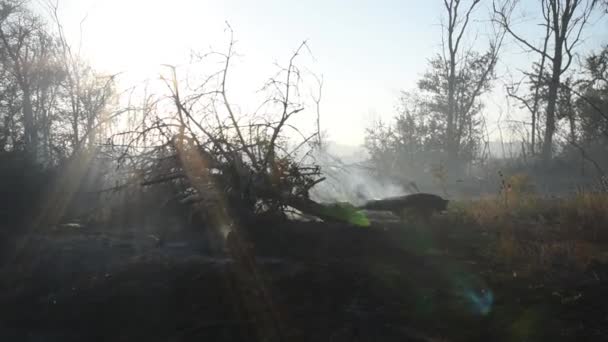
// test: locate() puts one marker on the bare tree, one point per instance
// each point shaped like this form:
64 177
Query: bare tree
564 21
458 61
535 79
24 43
317 99
442 116
87 93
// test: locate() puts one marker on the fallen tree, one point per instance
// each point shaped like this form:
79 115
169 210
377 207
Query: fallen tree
223 164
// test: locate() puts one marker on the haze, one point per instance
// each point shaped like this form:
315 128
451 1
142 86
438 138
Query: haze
366 51
303 170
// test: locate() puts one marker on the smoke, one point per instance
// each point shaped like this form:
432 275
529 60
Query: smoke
350 181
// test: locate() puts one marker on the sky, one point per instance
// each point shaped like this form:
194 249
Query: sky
366 51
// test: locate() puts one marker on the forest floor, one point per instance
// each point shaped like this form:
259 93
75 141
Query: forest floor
450 279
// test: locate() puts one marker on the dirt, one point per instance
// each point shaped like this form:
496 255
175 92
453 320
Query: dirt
290 282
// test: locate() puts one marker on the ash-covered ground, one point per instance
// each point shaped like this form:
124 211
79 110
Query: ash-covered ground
288 281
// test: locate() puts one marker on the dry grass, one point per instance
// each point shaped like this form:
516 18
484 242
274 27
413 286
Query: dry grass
539 233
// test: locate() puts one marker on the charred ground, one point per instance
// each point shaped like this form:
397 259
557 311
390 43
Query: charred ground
458 278
177 210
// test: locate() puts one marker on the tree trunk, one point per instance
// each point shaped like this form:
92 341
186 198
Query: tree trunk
451 105
533 137
552 102
549 125
451 146
572 121
75 133
6 131
31 136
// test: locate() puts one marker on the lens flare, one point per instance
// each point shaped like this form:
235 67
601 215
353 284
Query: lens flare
481 300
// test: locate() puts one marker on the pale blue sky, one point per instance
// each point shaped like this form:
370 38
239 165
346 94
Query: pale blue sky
367 51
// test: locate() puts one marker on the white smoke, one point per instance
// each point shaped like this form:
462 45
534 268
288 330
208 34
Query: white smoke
348 179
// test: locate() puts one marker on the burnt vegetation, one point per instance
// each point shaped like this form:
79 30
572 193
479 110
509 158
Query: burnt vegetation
168 212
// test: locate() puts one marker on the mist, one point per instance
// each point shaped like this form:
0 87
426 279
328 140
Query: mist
349 179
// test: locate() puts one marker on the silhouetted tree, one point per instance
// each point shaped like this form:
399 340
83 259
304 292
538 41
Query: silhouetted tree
590 109
459 76
564 21
86 94
417 138
404 149
26 49
592 103
476 71
439 122
52 100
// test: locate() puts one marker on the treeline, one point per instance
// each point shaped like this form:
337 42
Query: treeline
52 102
53 105
440 128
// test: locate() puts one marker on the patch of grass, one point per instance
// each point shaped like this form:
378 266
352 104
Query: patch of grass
589 213
538 233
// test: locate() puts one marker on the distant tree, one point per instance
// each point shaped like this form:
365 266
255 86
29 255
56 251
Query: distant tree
25 50
532 100
459 76
564 21
403 149
379 142
440 121
475 74
51 100
10 108
583 103
86 95
592 104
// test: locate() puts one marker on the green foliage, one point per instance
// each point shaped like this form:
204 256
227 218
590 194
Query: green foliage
346 212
